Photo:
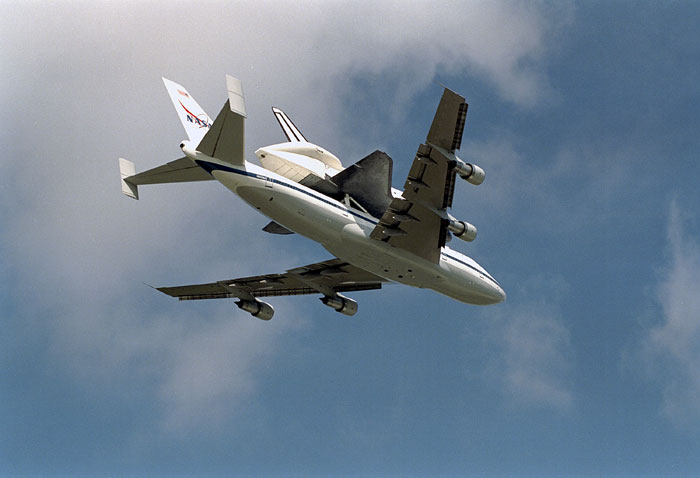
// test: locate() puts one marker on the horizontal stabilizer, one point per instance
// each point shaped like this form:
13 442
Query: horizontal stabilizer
179 171
225 140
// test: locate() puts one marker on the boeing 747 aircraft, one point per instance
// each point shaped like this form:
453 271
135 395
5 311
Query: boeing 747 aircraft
377 234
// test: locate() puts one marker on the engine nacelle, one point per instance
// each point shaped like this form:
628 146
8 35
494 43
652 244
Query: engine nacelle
257 308
462 230
470 172
340 304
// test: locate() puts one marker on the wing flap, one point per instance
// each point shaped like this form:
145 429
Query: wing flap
213 290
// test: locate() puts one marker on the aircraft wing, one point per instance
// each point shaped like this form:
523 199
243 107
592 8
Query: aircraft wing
417 221
327 277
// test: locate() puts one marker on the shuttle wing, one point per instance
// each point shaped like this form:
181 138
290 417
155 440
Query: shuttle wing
417 221
327 277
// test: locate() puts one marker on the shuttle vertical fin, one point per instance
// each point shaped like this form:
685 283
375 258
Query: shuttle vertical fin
290 130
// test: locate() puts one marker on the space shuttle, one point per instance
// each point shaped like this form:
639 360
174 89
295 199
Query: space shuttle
366 183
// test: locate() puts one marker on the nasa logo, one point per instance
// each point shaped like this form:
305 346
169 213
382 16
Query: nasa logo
192 118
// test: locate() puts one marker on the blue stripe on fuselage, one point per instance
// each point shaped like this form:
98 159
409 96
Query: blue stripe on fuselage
209 167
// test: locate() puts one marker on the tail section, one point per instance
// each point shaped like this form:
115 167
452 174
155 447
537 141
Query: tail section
222 139
290 130
225 140
192 116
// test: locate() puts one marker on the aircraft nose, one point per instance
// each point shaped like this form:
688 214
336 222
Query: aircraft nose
495 294
500 294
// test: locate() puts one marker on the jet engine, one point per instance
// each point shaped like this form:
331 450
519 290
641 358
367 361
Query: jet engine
469 172
257 308
340 304
462 229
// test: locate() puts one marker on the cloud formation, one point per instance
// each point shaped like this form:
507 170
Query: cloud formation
531 355
537 362
671 348
502 42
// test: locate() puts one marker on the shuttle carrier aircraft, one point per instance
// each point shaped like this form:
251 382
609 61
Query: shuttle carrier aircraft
376 234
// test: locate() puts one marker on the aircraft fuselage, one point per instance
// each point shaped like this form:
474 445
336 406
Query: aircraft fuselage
345 232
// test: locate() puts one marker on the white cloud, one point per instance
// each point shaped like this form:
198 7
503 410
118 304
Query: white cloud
537 348
200 364
530 352
215 368
496 40
671 348
530 188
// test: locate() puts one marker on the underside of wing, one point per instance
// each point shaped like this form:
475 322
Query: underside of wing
412 227
418 221
448 123
327 278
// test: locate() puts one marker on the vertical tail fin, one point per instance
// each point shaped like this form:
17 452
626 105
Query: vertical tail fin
290 130
192 116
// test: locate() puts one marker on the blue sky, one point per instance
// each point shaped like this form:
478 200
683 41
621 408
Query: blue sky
585 118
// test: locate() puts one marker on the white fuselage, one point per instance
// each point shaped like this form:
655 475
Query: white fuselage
345 232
